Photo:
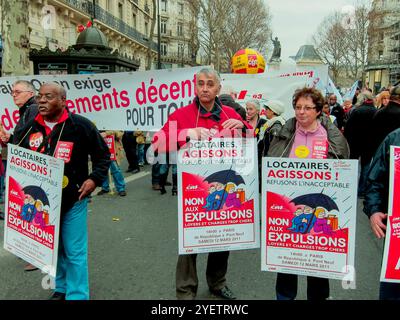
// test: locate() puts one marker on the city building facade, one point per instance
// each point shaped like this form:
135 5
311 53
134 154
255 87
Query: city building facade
383 64
125 23
178 33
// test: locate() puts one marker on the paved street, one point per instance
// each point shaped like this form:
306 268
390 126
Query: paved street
133 252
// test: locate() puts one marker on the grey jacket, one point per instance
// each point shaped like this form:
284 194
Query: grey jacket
282 144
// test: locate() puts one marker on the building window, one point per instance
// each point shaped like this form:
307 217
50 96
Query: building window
380 54
134 20
164 5
163 27
109 5
181 49
120 11
163 46
180 29
146 28
180 5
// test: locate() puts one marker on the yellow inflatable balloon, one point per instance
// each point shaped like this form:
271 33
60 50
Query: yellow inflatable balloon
247 61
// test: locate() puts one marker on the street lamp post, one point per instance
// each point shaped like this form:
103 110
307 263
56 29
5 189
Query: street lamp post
158 36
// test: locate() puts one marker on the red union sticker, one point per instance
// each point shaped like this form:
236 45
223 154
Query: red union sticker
252 60
64 150
35 139
320 149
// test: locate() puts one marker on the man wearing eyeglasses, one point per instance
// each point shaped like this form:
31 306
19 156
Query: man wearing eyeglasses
23 94
64 135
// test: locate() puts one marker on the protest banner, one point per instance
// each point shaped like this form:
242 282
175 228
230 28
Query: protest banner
309 211
274 85
218 196
390 271
110 141
32 209
113 101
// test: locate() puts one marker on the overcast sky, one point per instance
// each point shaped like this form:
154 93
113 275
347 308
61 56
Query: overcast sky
295 21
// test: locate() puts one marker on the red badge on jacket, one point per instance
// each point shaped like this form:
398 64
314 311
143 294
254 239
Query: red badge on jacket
35 139
64 150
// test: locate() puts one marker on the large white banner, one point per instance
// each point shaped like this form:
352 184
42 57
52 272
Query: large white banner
144 100
218 197
32 209
275 85
114 101
309 209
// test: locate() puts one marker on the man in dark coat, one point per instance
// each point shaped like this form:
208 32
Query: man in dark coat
358 132
387 119
336 110
227 100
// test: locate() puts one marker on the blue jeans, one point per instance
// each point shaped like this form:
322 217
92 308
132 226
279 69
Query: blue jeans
140 153
72 276
164 168
117 177
389 291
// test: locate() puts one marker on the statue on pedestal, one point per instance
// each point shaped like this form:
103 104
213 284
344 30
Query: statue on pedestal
276 54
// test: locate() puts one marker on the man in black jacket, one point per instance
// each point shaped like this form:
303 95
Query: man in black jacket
387 119
376 202
336 110
359 134
52 128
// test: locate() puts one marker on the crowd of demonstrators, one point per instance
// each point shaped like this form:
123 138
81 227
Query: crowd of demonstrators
115 169
295 140
54 124
359 134
327 111
198 121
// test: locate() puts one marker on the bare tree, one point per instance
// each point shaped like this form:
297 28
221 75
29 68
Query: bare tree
342 44
226 26
149 57
330 43
15 33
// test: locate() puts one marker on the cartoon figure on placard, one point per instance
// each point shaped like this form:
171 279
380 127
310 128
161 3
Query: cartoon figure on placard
28 209
307 220
210 198
232 199
220 196
35 199
322 223
39 213
296 221
310 201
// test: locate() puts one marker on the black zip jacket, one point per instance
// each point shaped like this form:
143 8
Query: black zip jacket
87 141
377 190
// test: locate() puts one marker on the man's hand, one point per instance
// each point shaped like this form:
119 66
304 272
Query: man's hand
377 225
199 133
87 188
233 124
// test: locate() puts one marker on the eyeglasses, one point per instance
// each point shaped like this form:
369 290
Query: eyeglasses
305 108
47 97
18 92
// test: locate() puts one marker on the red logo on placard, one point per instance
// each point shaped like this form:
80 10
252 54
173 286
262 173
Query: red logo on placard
252 60
64 150
35 139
